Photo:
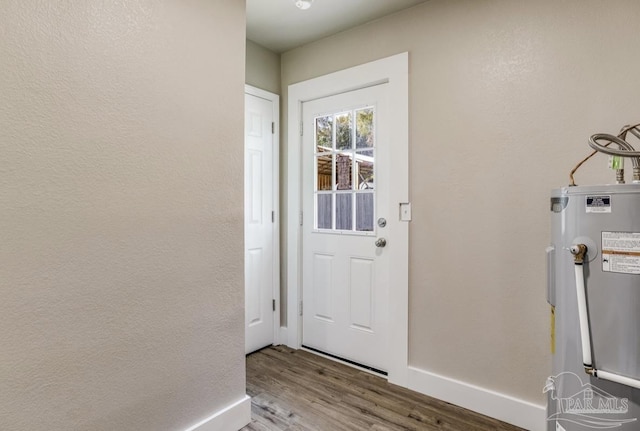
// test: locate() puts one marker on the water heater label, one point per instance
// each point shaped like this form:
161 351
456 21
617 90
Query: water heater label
598 204
621 252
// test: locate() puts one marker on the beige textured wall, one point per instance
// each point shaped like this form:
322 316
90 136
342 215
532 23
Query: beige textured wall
121 257
503 96
262 68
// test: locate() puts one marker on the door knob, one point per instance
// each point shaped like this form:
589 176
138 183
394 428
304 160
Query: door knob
381 242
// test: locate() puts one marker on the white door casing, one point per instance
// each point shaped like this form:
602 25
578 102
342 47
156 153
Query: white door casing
345 191
394 72
261 221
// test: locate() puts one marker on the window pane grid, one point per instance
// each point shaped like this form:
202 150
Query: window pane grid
344 171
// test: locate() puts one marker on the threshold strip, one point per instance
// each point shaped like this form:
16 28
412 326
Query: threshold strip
348 361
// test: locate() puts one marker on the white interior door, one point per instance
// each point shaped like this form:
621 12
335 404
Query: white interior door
259 223
346 198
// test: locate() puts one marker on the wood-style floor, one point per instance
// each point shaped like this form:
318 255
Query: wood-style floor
295 390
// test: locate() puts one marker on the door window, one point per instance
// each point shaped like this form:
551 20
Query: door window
344 190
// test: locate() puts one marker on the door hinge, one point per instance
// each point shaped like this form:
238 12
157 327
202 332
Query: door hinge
273 216
273 127
301 309
301 217
273 303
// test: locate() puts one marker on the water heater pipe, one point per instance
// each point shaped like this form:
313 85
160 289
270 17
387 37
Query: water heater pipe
617 378
579 251
633 129
626 151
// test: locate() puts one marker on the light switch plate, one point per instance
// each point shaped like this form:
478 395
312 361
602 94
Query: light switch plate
405 211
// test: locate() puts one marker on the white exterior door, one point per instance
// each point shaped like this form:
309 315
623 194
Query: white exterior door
346 199
259 210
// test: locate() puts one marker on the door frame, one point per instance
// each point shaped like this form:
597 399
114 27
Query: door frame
394 71
275 103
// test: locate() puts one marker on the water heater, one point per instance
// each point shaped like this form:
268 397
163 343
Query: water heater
593 288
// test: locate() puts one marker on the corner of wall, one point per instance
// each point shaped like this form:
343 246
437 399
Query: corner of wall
233 417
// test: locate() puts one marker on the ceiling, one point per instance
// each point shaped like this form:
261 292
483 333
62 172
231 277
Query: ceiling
280 26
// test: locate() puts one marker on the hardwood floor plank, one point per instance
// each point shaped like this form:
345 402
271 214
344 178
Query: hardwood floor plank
294 390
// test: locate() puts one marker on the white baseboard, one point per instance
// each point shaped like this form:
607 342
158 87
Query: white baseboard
284 336
503 407
231 418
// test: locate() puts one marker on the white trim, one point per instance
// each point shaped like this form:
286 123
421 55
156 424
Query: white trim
233 417
284 337
394 71
487 402
275 101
